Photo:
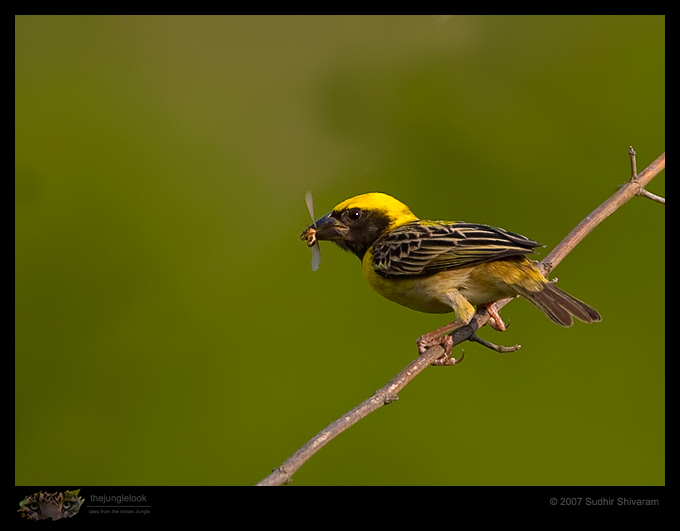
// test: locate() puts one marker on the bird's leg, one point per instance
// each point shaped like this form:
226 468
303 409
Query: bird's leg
495 320
464 313
441 336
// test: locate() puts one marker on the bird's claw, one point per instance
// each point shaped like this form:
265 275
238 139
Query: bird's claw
447 344
495 320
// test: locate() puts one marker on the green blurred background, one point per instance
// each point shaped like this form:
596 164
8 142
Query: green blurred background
168 327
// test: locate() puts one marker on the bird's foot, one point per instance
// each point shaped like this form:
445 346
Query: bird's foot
495 320
446 341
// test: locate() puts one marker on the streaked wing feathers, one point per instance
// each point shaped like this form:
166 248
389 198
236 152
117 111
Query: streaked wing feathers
425 248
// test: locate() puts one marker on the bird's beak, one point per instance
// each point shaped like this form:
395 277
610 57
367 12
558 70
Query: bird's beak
329 228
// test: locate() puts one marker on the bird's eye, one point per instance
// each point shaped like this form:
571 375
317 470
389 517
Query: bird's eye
353 214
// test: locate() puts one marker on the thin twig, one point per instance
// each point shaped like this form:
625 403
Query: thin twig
389 393
653 197
633 163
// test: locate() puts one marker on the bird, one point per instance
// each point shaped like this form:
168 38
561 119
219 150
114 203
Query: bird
442 266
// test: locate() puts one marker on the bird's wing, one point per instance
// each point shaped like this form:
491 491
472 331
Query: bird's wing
424 248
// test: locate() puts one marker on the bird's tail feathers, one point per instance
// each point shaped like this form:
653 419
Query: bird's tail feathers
559 306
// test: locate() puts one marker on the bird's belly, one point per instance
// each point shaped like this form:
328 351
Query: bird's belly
427 294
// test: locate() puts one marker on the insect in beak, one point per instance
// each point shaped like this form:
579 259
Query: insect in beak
310 234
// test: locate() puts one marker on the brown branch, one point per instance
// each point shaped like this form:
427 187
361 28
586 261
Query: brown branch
389 393
634 186
381 397
629 190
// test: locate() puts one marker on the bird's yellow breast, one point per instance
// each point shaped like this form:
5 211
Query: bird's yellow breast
420 294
